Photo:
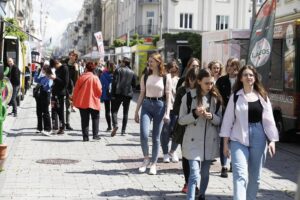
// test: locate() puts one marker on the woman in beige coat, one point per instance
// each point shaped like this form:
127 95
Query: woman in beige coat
201 141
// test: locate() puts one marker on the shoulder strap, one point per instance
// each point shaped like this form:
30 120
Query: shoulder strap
188 101
235 98
218 106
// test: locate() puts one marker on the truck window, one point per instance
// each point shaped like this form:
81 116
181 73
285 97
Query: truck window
276 81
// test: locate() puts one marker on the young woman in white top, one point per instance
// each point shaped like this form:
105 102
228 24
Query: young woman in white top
249 124
155 102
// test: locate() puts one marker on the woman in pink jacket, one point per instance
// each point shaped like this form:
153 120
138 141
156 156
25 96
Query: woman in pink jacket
86 98
249 125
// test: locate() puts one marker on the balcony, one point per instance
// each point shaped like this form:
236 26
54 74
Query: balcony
142 2
147 30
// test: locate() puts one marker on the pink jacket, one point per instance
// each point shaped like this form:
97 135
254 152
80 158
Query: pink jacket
237 127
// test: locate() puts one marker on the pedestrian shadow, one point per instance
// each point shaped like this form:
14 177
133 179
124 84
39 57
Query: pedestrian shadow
125 172
55 140
19 134
127 160
132 193
123 145
21 129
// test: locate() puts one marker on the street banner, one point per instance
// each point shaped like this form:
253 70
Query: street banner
261 39
99 39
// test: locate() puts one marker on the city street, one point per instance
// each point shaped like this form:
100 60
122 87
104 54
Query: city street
107 169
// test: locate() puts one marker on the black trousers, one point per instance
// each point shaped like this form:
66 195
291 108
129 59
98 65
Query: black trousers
185 168
13 100
107 113
68 107
115 105
85 119
58 109
42 111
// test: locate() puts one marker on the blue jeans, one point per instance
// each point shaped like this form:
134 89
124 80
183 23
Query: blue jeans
195 175
152 110
166 133
247 163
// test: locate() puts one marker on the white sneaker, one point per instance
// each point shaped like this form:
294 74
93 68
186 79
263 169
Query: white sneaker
174 157
166 158
46 133
144 166
152 170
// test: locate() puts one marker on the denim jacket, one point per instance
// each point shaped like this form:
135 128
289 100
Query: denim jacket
235 122
43 80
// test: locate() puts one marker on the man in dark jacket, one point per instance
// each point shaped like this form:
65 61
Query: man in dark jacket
225 86
73 76
122 92
14 77
59 92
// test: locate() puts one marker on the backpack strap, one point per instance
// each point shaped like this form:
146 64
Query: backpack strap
189 101
235 98
217 106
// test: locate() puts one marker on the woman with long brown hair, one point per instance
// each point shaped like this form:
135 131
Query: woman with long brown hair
200 141
154 99
248 124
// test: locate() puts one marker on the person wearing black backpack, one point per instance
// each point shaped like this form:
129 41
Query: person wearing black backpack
189 84
154 100
201 140
44 79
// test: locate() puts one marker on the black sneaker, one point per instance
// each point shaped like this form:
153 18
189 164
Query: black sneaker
108 129
86 139
123 133
230 169
201 197
96 137
68 127
224 172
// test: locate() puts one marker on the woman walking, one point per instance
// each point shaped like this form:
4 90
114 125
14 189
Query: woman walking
154 99
248 124
167 130
86 98
200 141
106 79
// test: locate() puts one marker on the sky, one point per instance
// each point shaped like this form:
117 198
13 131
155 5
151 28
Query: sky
61 12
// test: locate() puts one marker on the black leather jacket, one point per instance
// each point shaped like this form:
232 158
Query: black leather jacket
123 82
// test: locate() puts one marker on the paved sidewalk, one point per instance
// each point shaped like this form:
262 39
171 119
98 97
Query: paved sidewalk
107 169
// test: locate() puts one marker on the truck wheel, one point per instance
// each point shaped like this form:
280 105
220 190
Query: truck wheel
279 125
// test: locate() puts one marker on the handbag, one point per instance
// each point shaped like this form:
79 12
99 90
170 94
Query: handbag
37 91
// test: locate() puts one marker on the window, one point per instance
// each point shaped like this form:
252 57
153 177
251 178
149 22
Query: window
150 14
186 20
222 22
222 0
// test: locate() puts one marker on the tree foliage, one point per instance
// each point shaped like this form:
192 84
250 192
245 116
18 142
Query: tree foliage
14 30
133 41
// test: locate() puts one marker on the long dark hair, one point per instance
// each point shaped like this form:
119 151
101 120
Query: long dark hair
257 84
191 74
214 92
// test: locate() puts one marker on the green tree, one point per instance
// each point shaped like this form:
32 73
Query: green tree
14 29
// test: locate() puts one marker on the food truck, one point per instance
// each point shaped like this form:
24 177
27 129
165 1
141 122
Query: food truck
283 80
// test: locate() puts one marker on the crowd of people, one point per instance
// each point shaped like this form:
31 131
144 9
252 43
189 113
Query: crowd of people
211 112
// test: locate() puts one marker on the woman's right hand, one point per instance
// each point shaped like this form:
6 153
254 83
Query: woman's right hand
136 117
226 150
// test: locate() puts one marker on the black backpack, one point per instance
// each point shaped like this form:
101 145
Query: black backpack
179 130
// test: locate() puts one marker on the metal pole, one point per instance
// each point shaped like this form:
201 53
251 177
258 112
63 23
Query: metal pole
253 11
161 19
1 38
